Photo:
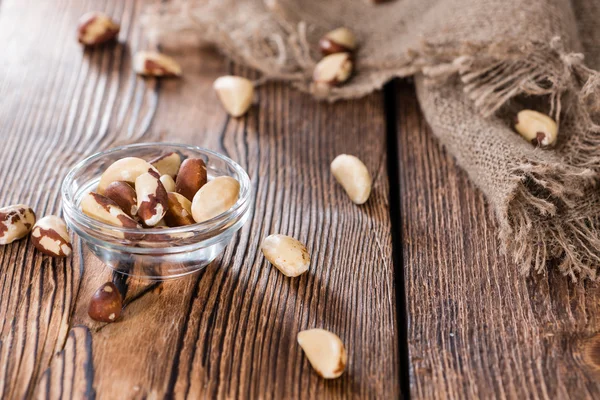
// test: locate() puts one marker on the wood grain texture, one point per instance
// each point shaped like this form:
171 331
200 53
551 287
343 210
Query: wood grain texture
477 329
231 330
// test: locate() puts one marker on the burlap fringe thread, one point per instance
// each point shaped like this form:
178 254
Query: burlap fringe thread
492 74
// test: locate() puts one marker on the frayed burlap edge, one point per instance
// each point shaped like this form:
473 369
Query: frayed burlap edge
533 226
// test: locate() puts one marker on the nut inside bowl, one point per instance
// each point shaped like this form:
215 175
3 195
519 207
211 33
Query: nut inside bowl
155 253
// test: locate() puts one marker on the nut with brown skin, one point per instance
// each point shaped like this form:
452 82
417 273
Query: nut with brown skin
333 70
235 93
287 254
15 222
179 211
168 183
214 198
152 198
124 195
325 352
167 164
126 169
191 177
104 209
340 40
50 236
537 128
152 63
95 28
106 304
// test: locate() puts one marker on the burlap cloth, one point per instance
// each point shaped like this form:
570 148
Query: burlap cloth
476 63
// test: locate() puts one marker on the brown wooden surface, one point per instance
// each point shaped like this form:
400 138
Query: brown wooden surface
230 331
476 329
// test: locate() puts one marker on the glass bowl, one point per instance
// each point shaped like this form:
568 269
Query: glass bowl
156 253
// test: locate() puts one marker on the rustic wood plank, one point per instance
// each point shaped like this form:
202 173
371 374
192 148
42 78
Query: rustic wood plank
227 332
477 329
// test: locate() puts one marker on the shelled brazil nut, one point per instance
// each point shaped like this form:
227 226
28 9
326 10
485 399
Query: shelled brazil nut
126 170
106 304
50 236
15 222
152 198
191 177
135 193
124 195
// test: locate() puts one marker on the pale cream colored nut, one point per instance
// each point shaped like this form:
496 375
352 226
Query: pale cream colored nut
333 69
96 28
104 209
168 183
354 177
325 352
152 198
214 198
340 40
191 177
106 304
236 94
124 195
49 235
287 254
167 164
15 222
537 128
179 210
152 63
126 169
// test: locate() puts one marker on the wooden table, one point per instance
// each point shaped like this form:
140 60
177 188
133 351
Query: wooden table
413 282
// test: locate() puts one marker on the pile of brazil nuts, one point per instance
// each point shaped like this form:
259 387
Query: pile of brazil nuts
163 192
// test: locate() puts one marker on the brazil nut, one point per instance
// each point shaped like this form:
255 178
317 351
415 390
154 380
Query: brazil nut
167 164
179 210
105 210
50 236
214 198
124 195
126 169
191 177
16 222
151 198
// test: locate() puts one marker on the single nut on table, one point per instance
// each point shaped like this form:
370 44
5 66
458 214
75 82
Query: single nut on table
179 210
50 236
124 195
152 63
152 198
537 128
340 40
96 28
168 183
106 303
236 94
325 352
105 210
191 177
354 177
333 70
15 222
214 198
287 254
167 164
126 169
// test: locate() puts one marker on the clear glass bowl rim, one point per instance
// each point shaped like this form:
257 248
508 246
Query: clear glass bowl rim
205 227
